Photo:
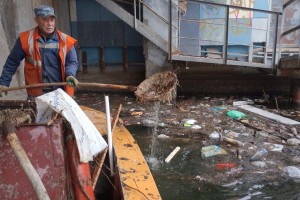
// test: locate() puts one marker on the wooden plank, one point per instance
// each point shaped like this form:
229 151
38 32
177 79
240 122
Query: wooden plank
136 179
269 115
98 168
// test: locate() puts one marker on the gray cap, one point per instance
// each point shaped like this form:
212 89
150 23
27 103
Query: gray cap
44 11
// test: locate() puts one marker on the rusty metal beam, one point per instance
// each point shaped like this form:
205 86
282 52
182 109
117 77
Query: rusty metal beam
287 3
290 30
275 42
225 46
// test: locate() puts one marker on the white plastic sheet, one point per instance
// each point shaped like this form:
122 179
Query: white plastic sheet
89 140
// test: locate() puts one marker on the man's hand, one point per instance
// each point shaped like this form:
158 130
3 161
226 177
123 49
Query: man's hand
72 81
2 87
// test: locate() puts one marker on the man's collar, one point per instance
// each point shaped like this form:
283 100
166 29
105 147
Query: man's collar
51 36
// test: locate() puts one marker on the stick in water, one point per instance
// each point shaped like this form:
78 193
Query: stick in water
169 158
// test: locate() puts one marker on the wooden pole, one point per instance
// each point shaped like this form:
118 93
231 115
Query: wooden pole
79 85
35 180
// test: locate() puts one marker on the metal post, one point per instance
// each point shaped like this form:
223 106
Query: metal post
267 34
109 136
225 46
170 30
102 62
140 11
299 57
134 8
250 55
275 42
281 31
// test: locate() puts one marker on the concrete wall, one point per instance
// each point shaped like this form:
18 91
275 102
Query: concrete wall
156 59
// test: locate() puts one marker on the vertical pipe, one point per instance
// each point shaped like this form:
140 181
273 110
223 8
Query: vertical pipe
281 31
275 42
109 136
102 63
225 47
299 57
140 11
134 8
170 30
178 33
267 34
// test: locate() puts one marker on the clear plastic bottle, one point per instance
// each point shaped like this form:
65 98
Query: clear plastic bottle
258 155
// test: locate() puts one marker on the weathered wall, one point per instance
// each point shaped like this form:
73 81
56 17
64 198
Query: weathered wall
156 59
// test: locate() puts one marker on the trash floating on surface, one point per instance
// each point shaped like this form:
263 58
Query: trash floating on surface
239 103
196 127
135 113
214 135
236 114
163 136
292 172
274 147
189 122
233 141
212 150
258 155
225 166
174 152
218 108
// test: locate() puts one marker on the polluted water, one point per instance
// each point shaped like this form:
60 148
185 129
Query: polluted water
151 158
271 175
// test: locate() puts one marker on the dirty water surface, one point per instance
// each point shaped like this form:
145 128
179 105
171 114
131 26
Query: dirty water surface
220 156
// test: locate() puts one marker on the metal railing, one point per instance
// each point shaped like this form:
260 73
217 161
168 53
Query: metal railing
237 41
226 38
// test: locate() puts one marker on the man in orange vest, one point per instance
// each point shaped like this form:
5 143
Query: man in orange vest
49 54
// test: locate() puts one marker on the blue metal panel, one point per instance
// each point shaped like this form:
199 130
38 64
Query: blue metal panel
136 55
263 5
113 55
93 55
193 11
190 34
239 31
208 11
97 27
88 10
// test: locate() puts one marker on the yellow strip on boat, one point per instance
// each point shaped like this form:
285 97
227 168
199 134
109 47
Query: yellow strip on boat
135 176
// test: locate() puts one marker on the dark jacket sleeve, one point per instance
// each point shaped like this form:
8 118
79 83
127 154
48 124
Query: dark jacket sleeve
71 65
12 63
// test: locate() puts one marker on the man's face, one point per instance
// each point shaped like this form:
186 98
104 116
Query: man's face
46 25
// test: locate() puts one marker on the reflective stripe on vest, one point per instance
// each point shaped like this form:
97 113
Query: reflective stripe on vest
30 43
31 47
64 49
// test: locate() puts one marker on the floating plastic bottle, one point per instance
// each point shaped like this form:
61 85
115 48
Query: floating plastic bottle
259 154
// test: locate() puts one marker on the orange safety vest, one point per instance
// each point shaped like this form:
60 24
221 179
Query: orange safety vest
33 62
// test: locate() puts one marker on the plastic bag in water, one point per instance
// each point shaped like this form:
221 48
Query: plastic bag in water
236 114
